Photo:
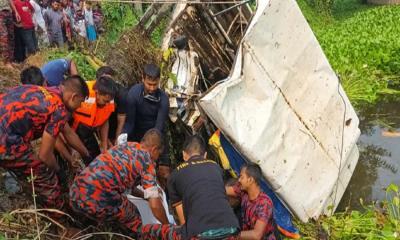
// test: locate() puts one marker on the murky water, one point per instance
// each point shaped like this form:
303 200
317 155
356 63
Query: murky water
379 163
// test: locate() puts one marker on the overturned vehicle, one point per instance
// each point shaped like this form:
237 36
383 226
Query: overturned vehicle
264 82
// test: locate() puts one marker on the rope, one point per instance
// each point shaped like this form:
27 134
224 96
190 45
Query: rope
342 143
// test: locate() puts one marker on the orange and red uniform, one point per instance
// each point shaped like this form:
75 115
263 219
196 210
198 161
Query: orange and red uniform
87 118
25 113
98 192
89 113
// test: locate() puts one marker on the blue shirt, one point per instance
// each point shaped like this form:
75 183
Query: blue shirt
55 70
143 114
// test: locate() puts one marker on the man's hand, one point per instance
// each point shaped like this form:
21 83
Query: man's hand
73 69
74 141
163 173
110 144
46 151
138 193
52 163
179 213
17 17
76 163
104 136
103 147
121 118
255 234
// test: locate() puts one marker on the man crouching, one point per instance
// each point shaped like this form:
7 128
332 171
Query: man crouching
196 191
98 192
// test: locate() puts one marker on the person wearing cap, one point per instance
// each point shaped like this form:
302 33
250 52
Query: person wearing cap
147 108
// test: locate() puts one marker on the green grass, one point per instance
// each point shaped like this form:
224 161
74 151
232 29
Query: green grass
362 43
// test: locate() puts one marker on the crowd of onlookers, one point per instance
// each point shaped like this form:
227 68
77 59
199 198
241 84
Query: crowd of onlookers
27 24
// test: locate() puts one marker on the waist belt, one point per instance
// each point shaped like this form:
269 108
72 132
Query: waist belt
219 233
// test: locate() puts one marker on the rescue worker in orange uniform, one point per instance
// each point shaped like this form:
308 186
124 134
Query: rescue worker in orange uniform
93 116
30 112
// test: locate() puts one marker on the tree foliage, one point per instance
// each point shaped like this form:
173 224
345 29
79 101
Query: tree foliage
118 18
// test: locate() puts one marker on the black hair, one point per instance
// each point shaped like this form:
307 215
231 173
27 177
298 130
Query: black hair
32 75
181 42
106 85
194 145
231 182
76 83
153 137
254 171
105 70
152 71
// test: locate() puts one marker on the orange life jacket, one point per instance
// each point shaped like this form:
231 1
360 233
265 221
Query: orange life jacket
89 114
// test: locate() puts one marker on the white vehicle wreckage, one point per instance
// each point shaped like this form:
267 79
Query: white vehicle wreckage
280 103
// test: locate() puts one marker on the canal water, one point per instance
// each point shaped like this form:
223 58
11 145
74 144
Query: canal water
379 162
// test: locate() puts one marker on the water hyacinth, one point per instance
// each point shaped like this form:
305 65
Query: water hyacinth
362 44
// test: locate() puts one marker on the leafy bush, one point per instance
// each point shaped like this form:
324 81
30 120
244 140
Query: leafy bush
364 51
393 206
118 18
158 34
373 222
84 68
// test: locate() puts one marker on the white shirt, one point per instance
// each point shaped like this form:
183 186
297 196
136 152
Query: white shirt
37 16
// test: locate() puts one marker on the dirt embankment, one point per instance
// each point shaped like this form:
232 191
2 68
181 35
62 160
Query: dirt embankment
130 54
10 77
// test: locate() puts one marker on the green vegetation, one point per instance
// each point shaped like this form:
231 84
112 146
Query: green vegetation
323 7
158 33
85 69
122 17
374 222
118 18
362 44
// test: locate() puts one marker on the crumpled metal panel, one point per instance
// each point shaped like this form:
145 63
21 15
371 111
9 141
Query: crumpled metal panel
283 108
